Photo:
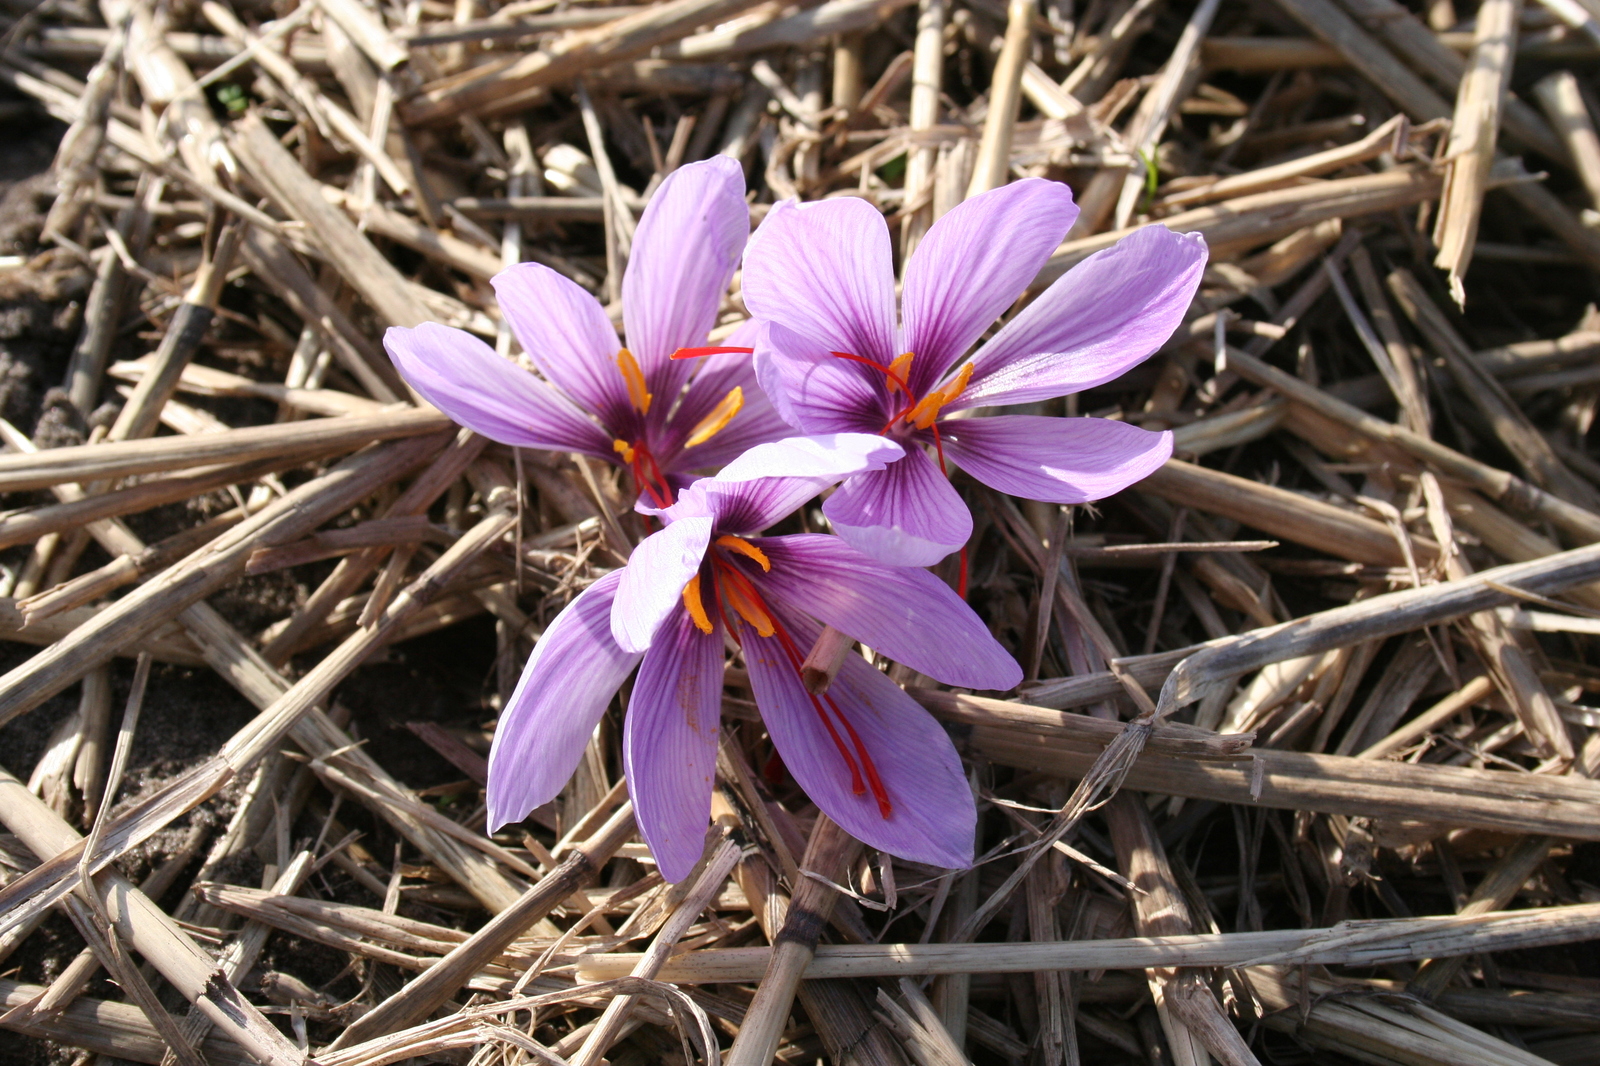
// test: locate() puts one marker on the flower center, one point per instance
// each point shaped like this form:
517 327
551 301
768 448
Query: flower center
648 477
731 588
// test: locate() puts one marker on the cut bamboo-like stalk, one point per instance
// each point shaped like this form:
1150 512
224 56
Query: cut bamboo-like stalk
828 854
1005 97
425 993
147 929
1358 943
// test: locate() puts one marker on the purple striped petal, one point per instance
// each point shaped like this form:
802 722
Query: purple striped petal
1058 460
572 674
904 612
653 580
906 514
825 271
684 254
566 333
817 391
669 742
932 815
972 265
1105 315
489 394
769 481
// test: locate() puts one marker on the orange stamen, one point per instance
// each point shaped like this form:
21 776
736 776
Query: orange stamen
718 419
633 377
745 600
696 605
899 370
746 549
894 376
624 449
926 411
695 353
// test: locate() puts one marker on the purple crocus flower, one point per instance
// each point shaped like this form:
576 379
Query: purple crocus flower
628 406
866 753
820 277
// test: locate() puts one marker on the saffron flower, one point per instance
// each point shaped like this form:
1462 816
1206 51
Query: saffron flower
633 406
866 753
820 278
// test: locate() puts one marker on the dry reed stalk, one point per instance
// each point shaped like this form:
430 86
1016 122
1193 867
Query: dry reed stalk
145 927
427 992
1005 97
209 569
95 462
1470 150
829 853
1358 943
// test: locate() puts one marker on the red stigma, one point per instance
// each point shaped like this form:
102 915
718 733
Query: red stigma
696 353
856 761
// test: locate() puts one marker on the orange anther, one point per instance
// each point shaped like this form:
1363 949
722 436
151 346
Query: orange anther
633 377
926 411
742 596
899 371
696 606
745 548
624 449
718 419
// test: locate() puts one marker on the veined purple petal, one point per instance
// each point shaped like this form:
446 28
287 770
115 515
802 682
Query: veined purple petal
684 253
572 674
566 333
769 481
653 580
1105 315
817 391
669 742
932 815
906 514
973 263
487 393
1058 460
825 271
902 611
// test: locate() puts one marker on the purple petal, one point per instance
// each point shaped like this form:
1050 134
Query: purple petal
1058 460
684 254
825 271
489 394
653 580
973 263
669 742
906 514
902 611
769 481
1105 315
566 333
572 674
932 815
816 391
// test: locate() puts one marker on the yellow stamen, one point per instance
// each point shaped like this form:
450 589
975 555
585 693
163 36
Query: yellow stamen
745 548
748 609
901 369
624 449
695 605
633 377
718 419
926 412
